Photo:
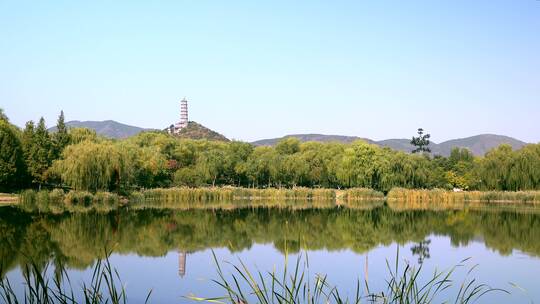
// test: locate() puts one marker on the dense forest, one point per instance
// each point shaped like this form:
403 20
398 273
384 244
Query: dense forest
81 160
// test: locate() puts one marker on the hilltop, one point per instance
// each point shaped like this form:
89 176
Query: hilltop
478 145
195 130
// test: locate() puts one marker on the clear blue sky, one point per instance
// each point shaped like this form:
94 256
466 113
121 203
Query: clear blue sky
257 69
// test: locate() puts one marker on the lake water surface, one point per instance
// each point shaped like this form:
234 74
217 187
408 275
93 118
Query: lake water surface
171 251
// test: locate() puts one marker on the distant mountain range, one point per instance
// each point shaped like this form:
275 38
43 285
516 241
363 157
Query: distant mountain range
114 129
478 144
107 128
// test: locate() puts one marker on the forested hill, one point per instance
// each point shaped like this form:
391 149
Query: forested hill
478 144
107 128
197 131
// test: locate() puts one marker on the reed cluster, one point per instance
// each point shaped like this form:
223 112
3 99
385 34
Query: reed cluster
405 284
57 201
439 196
360 194
189 195
105 286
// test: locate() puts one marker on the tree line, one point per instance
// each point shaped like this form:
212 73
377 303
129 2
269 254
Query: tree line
80 159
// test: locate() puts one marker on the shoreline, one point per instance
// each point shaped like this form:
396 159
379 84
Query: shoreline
57 200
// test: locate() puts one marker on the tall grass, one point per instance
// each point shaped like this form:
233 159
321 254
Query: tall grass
360 194
105 286
58 201
440 196
207 196
404 285
232 193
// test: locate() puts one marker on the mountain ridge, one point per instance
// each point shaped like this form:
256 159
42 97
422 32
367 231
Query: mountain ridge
477 144
108 128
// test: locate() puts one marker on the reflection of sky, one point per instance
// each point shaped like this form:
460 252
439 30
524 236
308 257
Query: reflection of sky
344 268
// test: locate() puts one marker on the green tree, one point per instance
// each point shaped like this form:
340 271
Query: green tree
289 145
460 169
147 166
421 143
61 138
258 166
494 168
78 135
363 165
236 156
210 165
3 115
12 166
38 150
94 166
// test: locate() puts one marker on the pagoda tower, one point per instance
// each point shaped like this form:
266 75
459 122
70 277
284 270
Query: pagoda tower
183 116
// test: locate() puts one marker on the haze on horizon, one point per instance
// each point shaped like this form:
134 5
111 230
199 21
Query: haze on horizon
375 69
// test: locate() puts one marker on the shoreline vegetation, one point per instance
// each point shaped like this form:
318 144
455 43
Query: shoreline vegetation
79 159
58 201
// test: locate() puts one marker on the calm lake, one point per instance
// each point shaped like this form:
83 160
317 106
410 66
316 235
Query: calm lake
171 251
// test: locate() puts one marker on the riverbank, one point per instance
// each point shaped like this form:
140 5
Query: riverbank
57 201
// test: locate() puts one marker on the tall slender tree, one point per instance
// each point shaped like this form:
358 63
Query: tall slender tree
61 137
421 143
39 151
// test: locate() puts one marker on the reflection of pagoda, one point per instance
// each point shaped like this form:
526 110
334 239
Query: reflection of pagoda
182 263
366 272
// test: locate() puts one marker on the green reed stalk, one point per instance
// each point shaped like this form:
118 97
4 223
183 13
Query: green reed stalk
104 287
404 286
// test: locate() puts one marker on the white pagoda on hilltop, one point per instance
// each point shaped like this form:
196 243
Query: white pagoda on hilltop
175 129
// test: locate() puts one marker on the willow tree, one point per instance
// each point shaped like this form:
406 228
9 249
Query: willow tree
494 168
210 165
144 167
92 166
77 135
524 173
363 165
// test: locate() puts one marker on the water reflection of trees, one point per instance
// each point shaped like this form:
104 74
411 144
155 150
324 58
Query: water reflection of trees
421 249
76 240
